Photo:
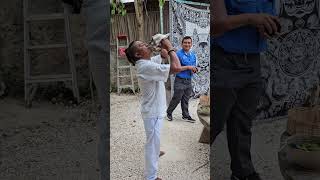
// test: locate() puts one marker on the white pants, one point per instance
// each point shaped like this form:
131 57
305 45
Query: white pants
152 127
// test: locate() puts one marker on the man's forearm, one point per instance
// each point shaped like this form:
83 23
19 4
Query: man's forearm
183 68
175 65
221 22
230 22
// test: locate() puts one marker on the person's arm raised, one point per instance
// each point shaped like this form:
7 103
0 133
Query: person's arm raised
175 65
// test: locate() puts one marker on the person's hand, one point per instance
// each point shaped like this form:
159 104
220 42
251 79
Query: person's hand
266 24
193 69
164 53
166 44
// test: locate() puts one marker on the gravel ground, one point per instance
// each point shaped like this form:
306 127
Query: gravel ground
184 158
47 142
54 142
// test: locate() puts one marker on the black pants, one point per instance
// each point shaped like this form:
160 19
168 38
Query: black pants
182 93
98 52
235 93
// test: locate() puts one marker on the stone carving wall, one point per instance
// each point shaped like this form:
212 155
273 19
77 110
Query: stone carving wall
291 65
186 20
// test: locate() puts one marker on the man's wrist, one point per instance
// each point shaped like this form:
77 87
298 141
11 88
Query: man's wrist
171 50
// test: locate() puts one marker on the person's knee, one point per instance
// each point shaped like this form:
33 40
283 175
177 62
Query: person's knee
174 98
177 97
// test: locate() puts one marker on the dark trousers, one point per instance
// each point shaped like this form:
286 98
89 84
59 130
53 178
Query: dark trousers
182 93
98 51
235 95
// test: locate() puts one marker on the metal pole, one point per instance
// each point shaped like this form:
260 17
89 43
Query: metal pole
161 19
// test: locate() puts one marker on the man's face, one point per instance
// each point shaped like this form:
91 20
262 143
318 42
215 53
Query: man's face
186 44
142 49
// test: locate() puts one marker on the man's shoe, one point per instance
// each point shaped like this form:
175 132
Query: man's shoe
189 119
158 178
161 153
169 116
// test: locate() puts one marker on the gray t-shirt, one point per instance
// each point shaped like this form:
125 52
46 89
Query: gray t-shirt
151 78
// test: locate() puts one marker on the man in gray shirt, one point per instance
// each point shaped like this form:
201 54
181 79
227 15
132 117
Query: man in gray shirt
151 78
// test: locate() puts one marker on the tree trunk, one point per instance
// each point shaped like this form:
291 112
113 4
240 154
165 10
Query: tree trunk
138 5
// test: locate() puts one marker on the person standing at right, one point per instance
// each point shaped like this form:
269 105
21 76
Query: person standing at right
182 83
239 29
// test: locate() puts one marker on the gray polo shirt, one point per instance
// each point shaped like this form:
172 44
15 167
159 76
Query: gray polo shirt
151 78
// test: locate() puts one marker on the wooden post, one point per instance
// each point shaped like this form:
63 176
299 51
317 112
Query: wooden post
138 6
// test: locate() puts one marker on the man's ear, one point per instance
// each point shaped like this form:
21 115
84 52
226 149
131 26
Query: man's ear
138 55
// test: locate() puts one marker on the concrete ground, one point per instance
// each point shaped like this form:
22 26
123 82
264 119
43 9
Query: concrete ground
265 146
185 158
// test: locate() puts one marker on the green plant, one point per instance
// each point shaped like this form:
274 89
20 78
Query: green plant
161 3
118 7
